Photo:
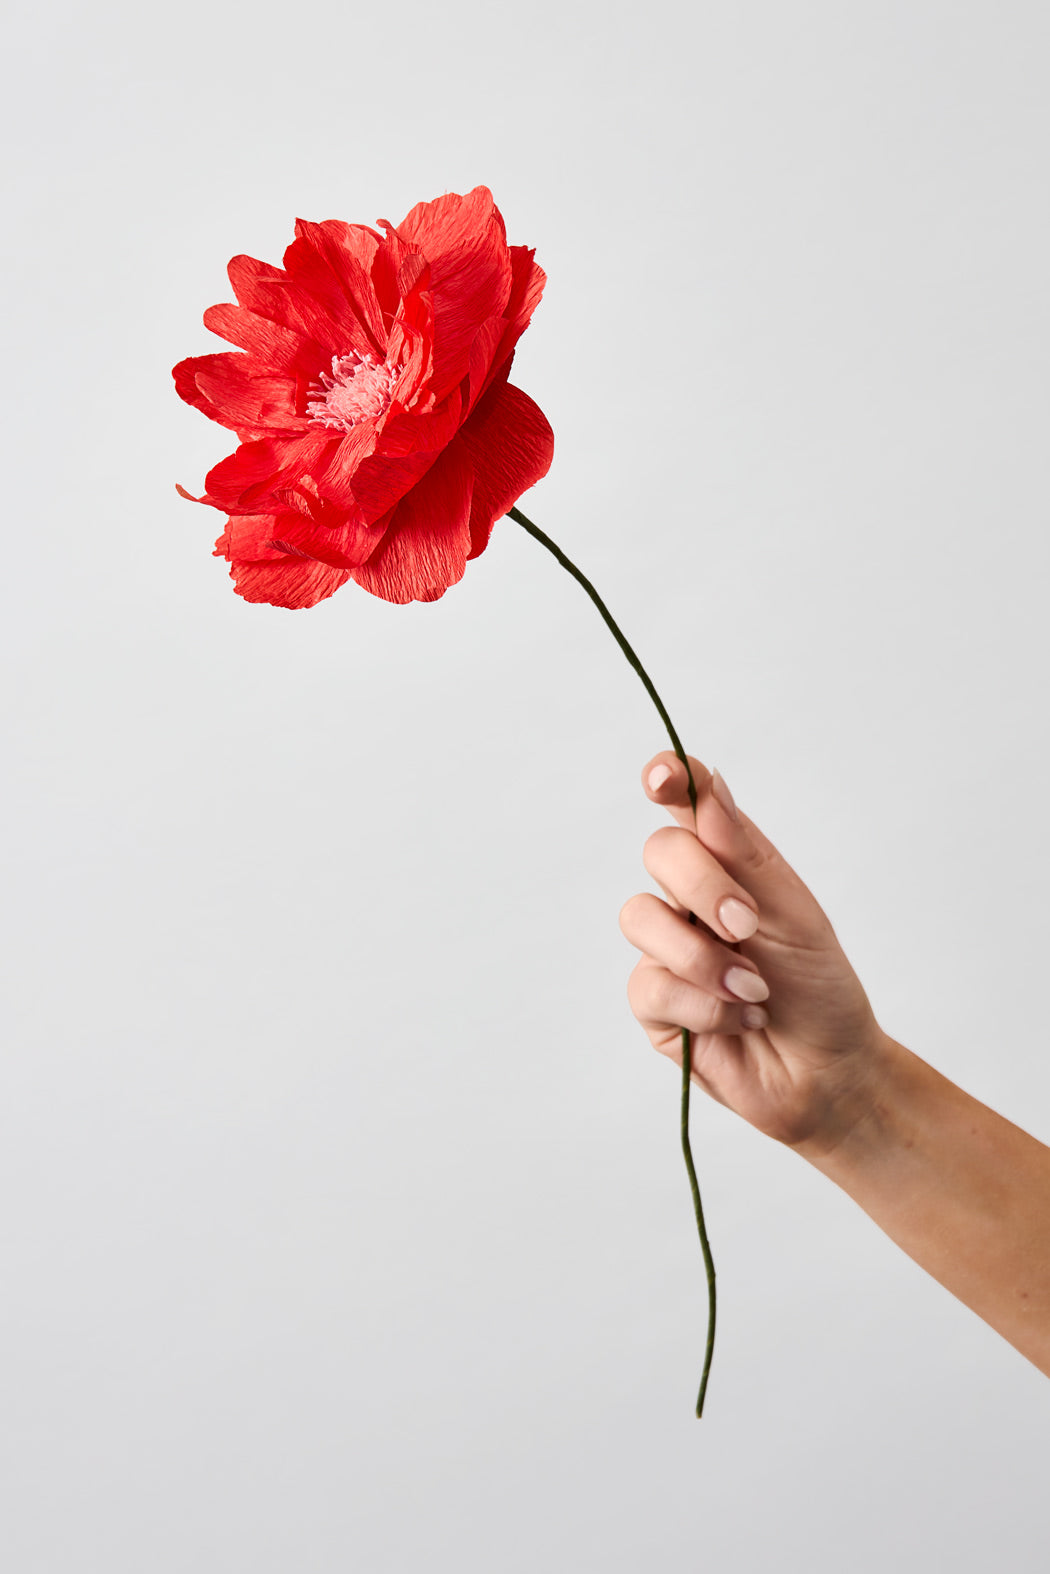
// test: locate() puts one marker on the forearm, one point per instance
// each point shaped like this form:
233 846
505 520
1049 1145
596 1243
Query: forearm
964 1192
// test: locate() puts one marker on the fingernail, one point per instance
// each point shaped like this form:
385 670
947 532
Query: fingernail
725 797
738 918
753 1017
657 776
746 985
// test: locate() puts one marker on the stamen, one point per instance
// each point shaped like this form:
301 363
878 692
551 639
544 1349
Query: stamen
359 389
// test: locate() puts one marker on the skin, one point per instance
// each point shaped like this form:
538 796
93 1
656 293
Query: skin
964 1192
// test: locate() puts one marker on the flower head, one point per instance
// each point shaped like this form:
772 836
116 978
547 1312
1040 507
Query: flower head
379 438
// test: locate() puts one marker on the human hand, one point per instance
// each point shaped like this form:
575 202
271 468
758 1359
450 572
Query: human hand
803 1065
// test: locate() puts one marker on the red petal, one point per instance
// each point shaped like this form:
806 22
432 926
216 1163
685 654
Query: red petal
243 479
448 223
483 363
261 573
333 260
526 291
494 345
269 344
269 292
410 343
395 270
426 545
465 243
408 445
335 478
344 548
185 375
228 390
511 446
408 432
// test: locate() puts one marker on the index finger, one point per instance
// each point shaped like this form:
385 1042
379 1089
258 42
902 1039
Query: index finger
718 823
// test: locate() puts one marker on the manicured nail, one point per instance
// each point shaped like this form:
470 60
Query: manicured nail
753 1017
738 918
746 985
657 776
725 797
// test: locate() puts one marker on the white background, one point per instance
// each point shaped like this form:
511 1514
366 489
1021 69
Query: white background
344 1223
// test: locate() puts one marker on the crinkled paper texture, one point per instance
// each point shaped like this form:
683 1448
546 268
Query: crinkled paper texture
405 495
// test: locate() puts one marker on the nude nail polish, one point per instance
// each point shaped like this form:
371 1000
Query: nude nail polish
740 920
746 985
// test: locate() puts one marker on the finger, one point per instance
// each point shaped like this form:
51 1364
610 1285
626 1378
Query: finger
664 1004
682 865
666 782
680 907
691 954
785 902
717 821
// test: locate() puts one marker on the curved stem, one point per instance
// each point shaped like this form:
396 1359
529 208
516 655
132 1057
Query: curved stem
687 1058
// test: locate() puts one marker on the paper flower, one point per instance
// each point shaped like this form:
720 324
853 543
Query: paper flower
379 436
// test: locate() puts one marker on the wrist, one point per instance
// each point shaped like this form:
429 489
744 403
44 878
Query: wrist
867 1114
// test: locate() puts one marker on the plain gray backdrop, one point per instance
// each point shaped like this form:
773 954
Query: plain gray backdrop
344 1222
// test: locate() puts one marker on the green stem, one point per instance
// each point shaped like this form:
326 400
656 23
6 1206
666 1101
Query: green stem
705 1247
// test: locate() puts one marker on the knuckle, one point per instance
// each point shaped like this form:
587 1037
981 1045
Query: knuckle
756 860
719 1016
649 990
704 1012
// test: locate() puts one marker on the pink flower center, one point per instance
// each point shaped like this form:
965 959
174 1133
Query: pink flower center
358 389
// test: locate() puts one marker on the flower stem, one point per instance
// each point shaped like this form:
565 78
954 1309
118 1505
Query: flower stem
694 1187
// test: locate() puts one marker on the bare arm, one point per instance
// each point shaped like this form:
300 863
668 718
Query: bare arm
783 1033
961 1190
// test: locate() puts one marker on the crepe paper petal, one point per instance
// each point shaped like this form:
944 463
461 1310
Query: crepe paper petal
345 546
343 461
427 542
406 449
511 446
270 292
256 469
310 274
262 573
410 344
494 346
228 390
270 346
465 243
528 284
316 528
336 258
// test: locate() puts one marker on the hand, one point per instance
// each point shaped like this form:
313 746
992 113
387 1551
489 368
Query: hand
802 1060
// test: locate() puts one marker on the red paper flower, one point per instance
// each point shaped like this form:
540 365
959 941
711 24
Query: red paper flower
379 437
